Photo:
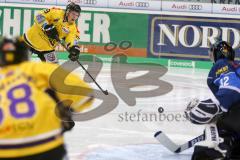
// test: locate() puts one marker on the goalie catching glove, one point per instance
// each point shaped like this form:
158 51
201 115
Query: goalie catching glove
74 53
202 112
51 31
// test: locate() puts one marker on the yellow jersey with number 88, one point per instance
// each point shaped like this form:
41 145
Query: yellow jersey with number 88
28 123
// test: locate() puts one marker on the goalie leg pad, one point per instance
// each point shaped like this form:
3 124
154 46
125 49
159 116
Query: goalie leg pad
217 145
205 153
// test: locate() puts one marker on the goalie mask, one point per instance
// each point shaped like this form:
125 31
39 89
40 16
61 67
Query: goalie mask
220 50
13 51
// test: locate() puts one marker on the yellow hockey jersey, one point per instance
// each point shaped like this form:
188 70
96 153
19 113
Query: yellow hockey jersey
38 40
28 123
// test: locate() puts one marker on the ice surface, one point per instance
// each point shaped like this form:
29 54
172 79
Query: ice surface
133 152
111 138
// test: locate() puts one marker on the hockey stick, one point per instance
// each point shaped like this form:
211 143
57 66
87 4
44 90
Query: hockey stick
104 91
170 145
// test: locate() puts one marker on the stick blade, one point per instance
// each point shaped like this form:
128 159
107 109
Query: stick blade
105 92
167 142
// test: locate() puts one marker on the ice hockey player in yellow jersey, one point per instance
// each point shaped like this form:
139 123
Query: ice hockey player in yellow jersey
50 26
29 126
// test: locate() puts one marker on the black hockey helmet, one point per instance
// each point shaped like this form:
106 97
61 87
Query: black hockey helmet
13 51
220 50
73 7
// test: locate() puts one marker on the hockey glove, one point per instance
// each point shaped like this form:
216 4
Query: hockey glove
202 112
74 53
65 114
51 31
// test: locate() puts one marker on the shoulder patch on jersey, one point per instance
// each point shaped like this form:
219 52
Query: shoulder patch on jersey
222 70
40 18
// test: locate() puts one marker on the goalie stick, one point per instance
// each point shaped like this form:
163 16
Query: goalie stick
170 145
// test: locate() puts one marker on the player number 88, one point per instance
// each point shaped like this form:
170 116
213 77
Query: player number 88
14 101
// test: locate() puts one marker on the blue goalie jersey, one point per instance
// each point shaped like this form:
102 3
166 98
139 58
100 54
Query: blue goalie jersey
224 81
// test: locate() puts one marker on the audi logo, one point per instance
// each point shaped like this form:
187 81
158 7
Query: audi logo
195 7
91 2
142 4
75 1
39 0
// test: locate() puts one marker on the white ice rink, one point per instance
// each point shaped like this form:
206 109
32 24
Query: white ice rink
112 138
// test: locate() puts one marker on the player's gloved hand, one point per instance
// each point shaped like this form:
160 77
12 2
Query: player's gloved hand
51 31
202 112
65 114
74 53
